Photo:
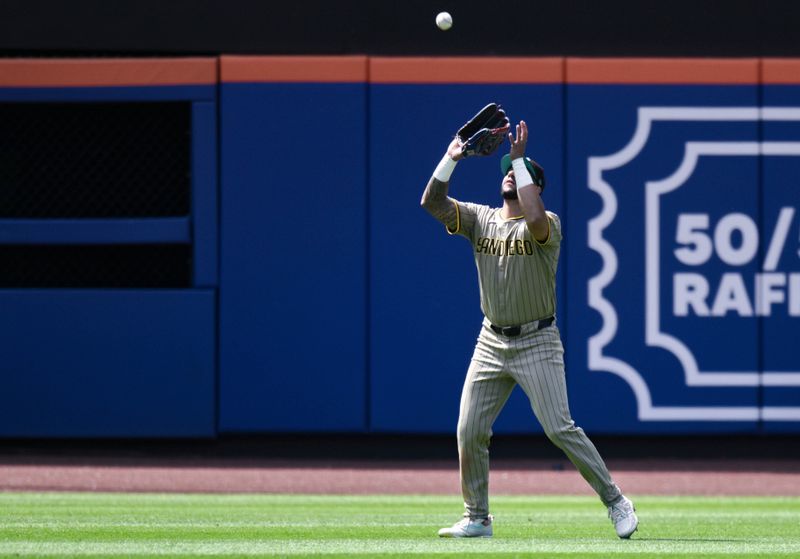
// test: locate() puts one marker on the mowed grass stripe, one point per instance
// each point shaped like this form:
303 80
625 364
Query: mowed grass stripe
485 547
158 525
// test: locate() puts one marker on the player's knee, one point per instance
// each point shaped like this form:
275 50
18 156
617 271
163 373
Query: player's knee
469 437
561 432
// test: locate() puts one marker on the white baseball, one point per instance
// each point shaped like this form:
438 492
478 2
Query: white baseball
444 21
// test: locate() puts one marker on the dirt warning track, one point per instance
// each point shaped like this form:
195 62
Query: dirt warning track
509 477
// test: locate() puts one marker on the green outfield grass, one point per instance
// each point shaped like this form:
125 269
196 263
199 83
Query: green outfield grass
158 525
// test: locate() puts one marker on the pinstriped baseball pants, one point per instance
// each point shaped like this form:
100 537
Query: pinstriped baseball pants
535 361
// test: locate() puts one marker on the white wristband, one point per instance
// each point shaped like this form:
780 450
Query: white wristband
521 175
444 169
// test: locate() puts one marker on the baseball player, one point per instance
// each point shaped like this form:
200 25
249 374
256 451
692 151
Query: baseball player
516 249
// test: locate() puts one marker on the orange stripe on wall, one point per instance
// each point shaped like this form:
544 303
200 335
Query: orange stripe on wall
203 71
780 71
293 69
466 70
23 72
662 71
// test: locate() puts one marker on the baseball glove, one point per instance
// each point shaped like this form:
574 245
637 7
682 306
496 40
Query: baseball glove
484 132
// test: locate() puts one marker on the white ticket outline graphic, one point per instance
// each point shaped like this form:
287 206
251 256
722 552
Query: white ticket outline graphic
597 360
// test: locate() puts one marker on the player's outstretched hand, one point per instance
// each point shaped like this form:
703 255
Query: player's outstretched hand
519 142
456 149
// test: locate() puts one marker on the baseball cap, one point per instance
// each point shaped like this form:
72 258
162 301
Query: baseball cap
536 171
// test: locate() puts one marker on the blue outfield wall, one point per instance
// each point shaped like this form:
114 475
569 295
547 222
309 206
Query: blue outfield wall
111 363
293 253
660 201
325 299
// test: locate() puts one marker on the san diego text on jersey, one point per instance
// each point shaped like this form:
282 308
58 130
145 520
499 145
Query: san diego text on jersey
504 247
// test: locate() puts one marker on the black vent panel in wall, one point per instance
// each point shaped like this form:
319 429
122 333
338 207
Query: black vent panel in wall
75 160
96 266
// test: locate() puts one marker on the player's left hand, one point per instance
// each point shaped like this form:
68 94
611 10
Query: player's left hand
519 142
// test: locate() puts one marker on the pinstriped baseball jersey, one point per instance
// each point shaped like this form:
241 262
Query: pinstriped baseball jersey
516 273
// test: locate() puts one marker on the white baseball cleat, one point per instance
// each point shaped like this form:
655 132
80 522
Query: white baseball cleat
469 528
623 515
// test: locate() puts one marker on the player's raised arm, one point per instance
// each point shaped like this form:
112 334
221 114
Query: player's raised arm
528 192
480 136
435 199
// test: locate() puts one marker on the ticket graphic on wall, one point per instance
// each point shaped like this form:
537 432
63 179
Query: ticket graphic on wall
699 241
